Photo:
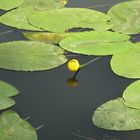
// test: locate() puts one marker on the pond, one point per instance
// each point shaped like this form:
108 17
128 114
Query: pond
64 111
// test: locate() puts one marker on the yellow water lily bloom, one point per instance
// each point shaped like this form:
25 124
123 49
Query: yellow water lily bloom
73 65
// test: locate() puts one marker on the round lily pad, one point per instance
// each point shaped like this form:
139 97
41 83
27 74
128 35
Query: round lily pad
60 20
127 64
114 115
97 43
125 17
7 90
131 95
30 56
14 128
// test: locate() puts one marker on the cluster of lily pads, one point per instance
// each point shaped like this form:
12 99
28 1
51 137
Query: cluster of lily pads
109 35
12 127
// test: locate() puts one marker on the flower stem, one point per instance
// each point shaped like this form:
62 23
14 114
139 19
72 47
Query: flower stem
93 60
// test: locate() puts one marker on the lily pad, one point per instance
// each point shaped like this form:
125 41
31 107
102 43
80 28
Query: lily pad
125 17
131 95
47 37
127 64
44 4
114 115
14 128
97 43
7 90
5 102
30 56
60 20
10 4
18 18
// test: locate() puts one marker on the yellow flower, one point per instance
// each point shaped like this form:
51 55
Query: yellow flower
73 65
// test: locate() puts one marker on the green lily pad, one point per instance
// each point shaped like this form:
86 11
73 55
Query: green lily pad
131 95
7 90
18 18
5 102
44 4
10 4
30 56
14 128
125 17
114 115
47 37
60 20
127 64
97 43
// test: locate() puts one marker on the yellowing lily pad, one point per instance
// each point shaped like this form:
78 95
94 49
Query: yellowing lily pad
97 43
114 115
60 20
30 56
47 37
10 4
14 128
125 17
131 95
127 64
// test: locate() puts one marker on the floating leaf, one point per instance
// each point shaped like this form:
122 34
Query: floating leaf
132 95
14 128
10 4
5 102
97 43
60 20
114 115
18 18
44 4
47 37
30 56
127 64
7 90
125 17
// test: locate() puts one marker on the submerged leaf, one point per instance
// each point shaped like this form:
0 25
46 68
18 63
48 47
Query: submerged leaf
125 17
114 115
5 102
18 18
132 95
60 20
127 64
97 43
47 37
14 128
10 4
7 90
44 4
30 56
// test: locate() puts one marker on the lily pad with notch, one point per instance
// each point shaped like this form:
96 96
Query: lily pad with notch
60 20
125 17
127 64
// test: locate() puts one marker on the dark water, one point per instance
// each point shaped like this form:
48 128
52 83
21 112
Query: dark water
63 110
